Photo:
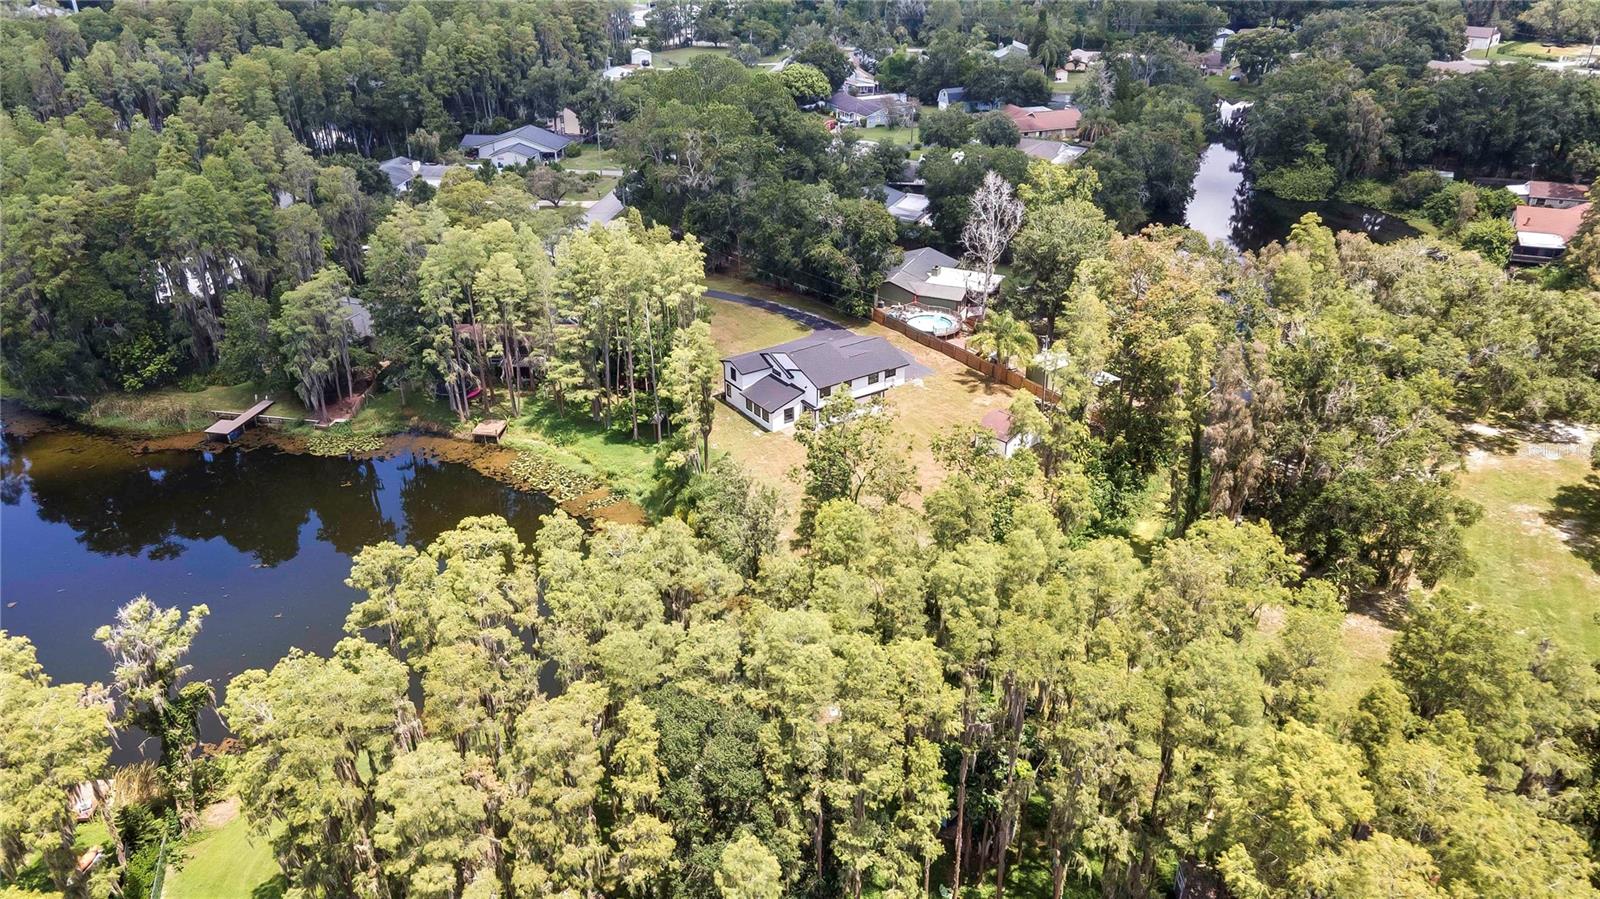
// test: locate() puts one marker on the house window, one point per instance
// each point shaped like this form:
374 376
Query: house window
788 415
749 406
889 373
825 392
764 415
872 378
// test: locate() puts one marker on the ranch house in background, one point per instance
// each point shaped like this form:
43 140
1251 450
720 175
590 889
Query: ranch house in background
775 386
530 143
933 280
1044 122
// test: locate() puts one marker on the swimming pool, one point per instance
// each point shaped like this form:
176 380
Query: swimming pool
936 323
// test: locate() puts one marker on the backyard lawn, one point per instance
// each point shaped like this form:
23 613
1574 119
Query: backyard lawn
1535 50
593 158
951 394
682 56
1537 547
226 860
906 135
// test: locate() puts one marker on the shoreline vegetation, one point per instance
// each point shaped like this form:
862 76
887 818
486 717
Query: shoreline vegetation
522 461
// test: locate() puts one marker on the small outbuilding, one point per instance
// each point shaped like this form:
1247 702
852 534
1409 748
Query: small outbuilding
1007 441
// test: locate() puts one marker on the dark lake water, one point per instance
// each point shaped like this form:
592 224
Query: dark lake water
1225 208
263 537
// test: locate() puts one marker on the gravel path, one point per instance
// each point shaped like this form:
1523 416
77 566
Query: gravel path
799 316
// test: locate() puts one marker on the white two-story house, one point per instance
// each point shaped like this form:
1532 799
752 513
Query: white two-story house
775 386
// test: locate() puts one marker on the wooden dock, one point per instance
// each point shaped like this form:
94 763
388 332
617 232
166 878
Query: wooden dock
490 429
229 429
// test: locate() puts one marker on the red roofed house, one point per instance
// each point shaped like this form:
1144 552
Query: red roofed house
1552 193
998 423
1543 232
1042 121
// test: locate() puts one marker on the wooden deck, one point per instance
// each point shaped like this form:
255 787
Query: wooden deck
489 429
229 429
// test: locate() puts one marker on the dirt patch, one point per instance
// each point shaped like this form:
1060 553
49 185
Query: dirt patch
16 420
220 814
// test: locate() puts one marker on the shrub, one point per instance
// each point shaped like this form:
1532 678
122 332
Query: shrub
1452 207
574 151
1368 192
1496 203
1490 238
1310 180
1413 188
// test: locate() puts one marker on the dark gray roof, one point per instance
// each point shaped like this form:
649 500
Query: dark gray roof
772 394
527 148
921 262
954 94
398 169
826 358
530 134
862 106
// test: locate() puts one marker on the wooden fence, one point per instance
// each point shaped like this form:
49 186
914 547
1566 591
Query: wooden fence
993 370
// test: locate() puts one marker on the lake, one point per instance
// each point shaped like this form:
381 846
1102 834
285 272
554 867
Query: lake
263 537
1225 208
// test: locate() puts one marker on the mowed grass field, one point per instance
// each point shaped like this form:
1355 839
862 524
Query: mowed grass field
1537 547
226 860
949 394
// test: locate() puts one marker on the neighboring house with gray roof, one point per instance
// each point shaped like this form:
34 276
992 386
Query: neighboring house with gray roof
603 211
402 171
907 207
874 111
775 386
929 278
1058 152
530 143
1015 48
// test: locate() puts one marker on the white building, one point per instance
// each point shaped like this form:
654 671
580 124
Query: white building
860 83
1482 37
1058 152
1015 48
1007 441
530 143
907 207
641 58
402 171
775 386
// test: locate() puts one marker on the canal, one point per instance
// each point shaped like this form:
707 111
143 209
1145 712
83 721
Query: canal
1225 208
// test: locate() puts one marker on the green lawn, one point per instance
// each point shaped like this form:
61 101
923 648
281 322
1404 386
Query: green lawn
1075 81
33 880
226 862
594 158
1232 91
1538 51
1537 547
174 409
682 56
900 135
594 191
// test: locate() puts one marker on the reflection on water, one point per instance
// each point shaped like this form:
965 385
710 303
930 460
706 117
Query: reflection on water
262 537
1225 208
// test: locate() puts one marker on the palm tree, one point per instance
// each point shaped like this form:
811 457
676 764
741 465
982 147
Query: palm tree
1003 338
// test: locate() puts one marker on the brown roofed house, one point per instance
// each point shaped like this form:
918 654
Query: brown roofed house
1042 121
1556 194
